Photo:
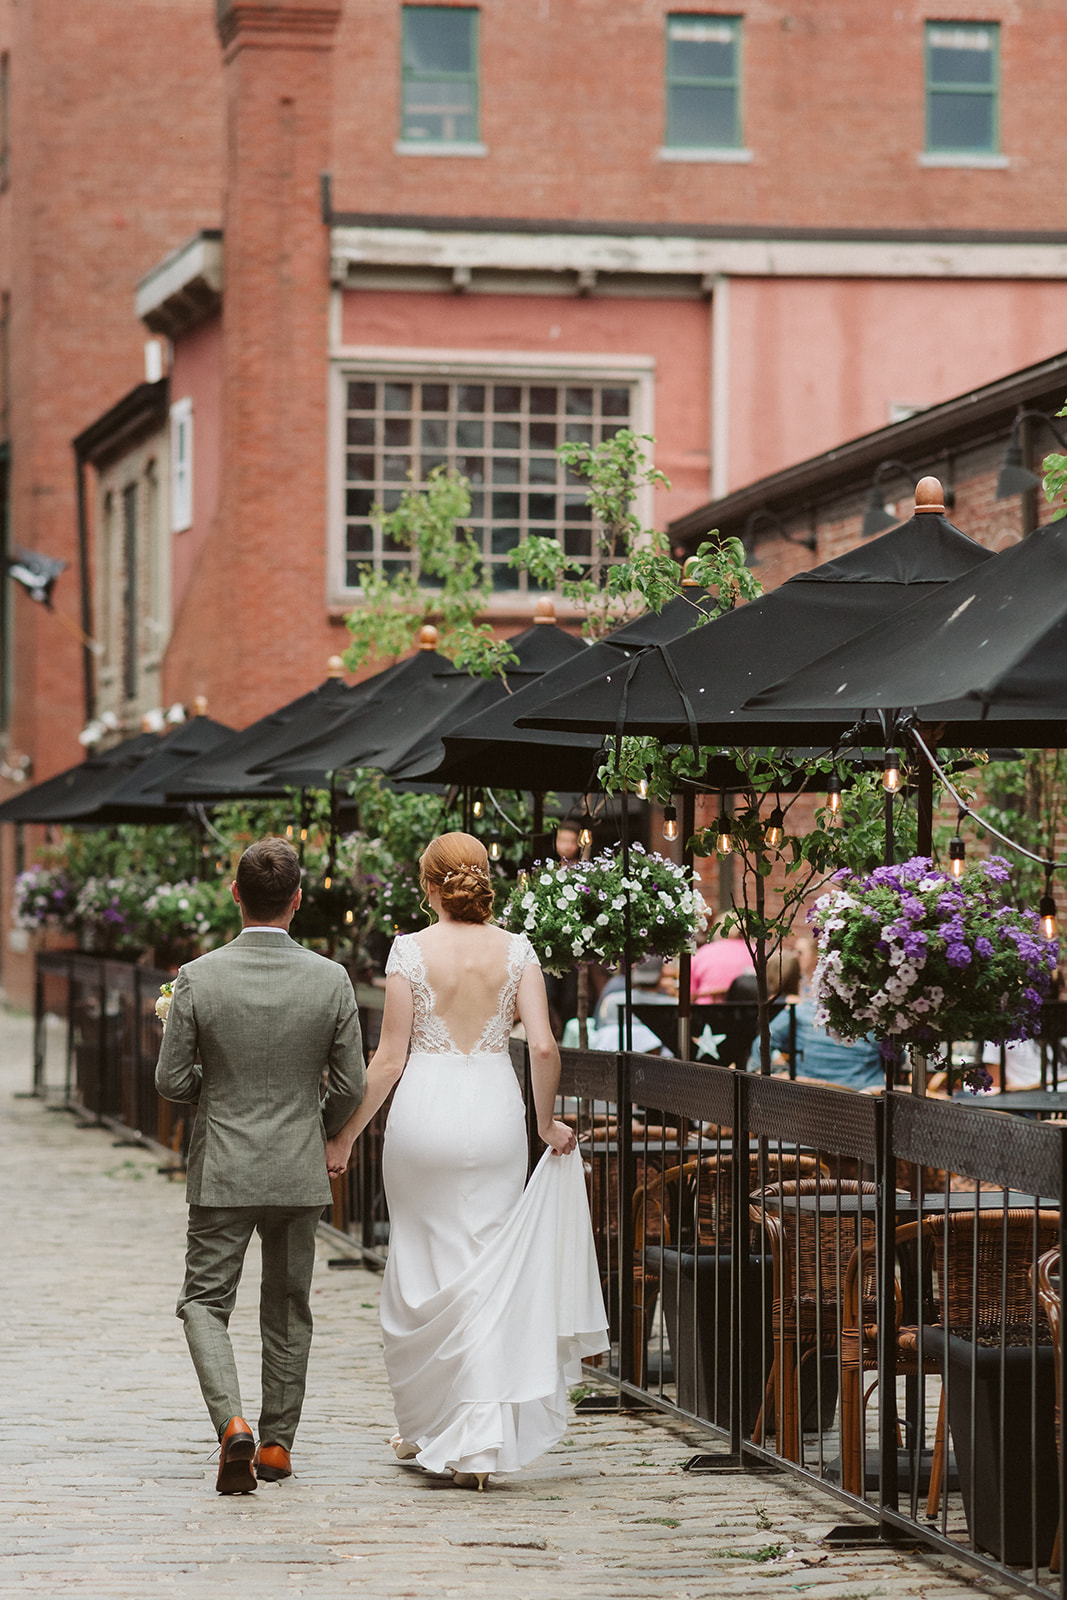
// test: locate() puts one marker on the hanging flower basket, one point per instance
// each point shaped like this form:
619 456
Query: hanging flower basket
577 912
919 959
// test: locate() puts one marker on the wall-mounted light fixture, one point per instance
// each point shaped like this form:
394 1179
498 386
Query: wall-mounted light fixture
1014 476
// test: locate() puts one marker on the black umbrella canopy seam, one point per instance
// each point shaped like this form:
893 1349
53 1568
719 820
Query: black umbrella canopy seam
722 664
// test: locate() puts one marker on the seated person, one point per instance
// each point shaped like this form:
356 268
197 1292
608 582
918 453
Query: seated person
604 1022
852 1066
715 966
783 978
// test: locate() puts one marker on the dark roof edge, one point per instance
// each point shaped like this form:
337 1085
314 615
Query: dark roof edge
696 230
143 409
967 420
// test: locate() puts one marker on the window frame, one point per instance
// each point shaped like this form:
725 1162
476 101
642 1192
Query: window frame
990 152
491 367
181 465
408 144
673 148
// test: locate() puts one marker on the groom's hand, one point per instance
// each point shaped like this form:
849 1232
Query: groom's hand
338 1155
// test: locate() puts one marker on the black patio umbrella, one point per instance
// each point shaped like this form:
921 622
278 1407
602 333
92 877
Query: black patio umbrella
493 750
231 772
694 688
401 733
84 793
988 651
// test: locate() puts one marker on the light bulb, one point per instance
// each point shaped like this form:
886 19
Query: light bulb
495 848
833 793
891 775
775 831
670 822
585 835
350 917
642 788
957 850
478 809
327 881
289 830
1047 912
303 834
524 879
724 841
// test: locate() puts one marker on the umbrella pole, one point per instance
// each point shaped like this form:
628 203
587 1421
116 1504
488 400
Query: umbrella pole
925 786
538 812
627 964
685 960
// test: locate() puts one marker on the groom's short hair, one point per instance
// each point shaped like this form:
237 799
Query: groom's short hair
268 876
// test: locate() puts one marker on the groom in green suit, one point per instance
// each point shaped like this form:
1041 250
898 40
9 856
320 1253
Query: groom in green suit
256 1031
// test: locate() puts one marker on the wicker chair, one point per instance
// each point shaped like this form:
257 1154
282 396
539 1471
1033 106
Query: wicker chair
1048 1293
809 1252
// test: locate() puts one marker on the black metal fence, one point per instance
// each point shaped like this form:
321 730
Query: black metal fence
861 1289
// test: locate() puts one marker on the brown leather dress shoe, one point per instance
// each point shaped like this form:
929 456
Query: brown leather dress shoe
237 1447
271 1462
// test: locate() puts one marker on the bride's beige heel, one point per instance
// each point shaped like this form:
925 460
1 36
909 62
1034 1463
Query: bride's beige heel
471 1480
402 1448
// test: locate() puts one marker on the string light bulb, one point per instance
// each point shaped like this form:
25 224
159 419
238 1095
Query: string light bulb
585 833
774 832
478 808
303 835
670 822
327 882
891 775
642 787
1047 909
495 848
288 830
957 850
724 839
833 793
350 917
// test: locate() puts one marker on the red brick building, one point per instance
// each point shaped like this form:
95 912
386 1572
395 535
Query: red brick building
375 236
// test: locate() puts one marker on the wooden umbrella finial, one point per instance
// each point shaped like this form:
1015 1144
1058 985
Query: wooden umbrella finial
335 667
929 496
688 581
544 610
428 637
200 706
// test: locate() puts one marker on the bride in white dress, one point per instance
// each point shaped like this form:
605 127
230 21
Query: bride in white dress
491 1294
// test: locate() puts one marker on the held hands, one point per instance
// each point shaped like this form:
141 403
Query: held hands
338 1155
560 1139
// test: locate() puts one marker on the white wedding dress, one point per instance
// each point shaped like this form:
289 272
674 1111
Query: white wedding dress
491 1294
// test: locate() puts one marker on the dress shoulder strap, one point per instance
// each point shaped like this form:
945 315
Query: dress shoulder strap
405 958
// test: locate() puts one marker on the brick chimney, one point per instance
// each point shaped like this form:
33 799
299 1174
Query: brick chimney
257 601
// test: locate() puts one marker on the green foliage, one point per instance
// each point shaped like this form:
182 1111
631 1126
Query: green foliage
446 582
1055 469
722 565
1027 800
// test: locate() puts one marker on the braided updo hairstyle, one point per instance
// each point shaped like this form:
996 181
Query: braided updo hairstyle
457 866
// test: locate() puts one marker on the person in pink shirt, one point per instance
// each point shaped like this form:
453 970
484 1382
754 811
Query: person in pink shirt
715 966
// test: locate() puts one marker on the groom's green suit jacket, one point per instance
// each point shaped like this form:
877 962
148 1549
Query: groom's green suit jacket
264 1037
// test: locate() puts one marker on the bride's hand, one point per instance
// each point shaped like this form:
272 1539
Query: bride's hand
338 1155
559 1138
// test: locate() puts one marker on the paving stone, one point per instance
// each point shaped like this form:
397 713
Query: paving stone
108 1476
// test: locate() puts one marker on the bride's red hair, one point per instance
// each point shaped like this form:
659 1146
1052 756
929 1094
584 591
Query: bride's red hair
456 864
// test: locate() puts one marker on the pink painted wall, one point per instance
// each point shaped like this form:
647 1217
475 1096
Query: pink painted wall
816 361
197 374
674 332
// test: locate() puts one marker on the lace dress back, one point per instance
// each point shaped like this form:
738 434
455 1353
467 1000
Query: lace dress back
432 1033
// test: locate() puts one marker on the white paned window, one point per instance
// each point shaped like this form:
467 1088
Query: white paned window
181 465
500 431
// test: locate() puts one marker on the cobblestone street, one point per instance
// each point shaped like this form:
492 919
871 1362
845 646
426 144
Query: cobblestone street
106 1448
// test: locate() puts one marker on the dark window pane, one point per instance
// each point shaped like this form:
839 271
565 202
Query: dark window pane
390 499
439 39
507 398
542 469
579 402
507 435
701 47
703 115
352 575
615 402
361 396
544 402
358 502
434 435
393 568
360 469
543 435
428 463
471 397
398 397
477 502
961 122
506 507
541 507
435 397
360 430
578 508
470 435
396 467
397 431
359 538
961 55
442 112
577 542
472 467
389 543
608 430
505 469
578 433
428 581
504 539
504 577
